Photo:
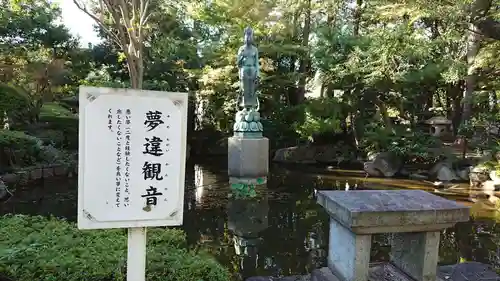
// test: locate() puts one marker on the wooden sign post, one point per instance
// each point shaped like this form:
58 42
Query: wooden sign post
132 156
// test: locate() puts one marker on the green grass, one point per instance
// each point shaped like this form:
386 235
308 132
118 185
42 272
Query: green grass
49 249
55 109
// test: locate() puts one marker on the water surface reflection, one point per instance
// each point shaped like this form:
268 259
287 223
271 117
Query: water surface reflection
296 238
280 232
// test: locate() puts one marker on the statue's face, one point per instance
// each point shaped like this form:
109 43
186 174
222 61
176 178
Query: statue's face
248 38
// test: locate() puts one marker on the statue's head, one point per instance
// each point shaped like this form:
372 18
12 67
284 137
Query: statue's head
248 36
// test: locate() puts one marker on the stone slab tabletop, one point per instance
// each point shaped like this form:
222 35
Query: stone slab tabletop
391 208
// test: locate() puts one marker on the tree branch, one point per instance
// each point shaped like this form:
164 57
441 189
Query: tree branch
100 22
122 35
144 12
128 18
131 30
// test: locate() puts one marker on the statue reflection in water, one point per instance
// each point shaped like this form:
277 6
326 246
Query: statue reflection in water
247 218
315 246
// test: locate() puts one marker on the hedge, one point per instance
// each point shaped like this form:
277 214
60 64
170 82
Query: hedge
67 126
18 149
47 249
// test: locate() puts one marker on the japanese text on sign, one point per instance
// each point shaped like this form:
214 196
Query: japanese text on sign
119 139
153 146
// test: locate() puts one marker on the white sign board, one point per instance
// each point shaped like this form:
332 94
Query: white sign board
132 154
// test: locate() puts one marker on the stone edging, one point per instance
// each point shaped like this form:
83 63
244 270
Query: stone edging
25 175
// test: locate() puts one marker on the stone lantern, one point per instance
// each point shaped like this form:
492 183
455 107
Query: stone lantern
439 126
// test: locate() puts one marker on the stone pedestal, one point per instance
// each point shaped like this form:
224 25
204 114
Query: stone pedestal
248 157
414 218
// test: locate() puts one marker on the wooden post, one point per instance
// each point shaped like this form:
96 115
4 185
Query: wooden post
136 256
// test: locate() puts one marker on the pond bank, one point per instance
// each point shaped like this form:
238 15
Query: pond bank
25 175
444 163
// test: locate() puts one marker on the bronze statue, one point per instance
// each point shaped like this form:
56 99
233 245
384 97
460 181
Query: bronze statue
247 120
248 64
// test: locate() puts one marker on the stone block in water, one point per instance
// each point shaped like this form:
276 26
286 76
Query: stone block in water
248 157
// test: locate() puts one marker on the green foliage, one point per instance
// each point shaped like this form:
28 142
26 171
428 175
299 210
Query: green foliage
34 51
466 130
62 127
413 146
218 97
34 21
57 127
42 249
18 149
53 109
17 104
16 139
321 115
102 78
495 162
279 126
395 58
477 130
52 137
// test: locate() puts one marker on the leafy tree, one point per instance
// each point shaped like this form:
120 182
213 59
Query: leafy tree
125 22
34 49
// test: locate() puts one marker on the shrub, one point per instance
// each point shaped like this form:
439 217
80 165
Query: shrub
412 145
43 249
279 126
322 115
17 103
57 126
49 136
18 149
69 103
67 125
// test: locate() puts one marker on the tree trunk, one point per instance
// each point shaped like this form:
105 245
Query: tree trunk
135 62
493 102
478 14
385 115
304 62
357 17
357 125
473 43
454 94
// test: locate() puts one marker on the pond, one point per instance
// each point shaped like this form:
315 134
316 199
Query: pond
282 231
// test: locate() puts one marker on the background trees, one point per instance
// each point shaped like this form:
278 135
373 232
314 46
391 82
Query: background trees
342 64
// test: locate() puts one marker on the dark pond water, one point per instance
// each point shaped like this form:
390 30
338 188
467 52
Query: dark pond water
280 232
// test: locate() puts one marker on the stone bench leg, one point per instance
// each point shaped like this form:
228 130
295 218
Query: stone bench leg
416 254
348 253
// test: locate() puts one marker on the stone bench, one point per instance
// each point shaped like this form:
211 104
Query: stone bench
415 219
